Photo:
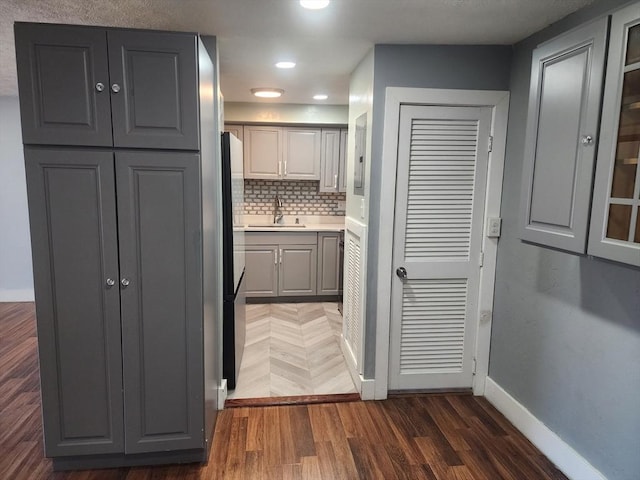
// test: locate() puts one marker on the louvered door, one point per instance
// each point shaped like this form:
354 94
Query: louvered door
442 170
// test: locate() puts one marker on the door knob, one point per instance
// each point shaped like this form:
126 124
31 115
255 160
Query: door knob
401 272
124 282
115 88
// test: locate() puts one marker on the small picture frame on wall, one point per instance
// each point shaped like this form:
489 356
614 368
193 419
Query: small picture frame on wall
360 155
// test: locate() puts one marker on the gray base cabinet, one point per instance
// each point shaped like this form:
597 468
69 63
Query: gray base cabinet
293 264
329 267
118 304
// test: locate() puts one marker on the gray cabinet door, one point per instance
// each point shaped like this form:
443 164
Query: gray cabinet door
160 289
329 268
63 78
330 161
564 106
298 264
261 274
156 105
342 168
262 152
301 154
74 243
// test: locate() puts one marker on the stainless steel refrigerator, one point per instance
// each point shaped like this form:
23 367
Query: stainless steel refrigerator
234 322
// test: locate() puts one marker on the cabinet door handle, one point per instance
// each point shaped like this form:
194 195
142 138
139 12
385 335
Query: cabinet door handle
115 88
99 86
275 257
279 169
285 168
280 256
125 282
110 282
587 140
335 181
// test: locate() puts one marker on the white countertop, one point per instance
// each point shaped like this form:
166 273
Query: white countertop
263 223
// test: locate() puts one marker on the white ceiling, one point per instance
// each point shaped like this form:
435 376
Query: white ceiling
327 44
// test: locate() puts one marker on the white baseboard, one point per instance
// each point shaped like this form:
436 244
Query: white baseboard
26 295
570 462
222 393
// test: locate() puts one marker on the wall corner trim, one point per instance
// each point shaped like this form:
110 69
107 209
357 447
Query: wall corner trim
570 462
11 295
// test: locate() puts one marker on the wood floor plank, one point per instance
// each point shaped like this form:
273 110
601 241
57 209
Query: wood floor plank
426 437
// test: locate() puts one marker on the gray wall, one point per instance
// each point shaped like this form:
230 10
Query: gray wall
421 66
16 277
566 329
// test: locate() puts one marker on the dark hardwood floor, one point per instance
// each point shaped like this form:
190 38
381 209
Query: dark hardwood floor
435 437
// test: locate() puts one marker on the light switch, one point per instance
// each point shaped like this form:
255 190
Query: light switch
493 227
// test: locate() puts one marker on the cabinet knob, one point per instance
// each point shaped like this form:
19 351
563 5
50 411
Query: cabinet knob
125 282
115 88
587 139
99 86
110 282
401 272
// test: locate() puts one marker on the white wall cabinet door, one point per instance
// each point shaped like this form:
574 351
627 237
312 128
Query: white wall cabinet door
263 152
342 163
301 154
615 218
564 102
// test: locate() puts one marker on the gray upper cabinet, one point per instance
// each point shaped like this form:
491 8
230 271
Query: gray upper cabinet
262 152
615 218
160 269
301 154
564 107
342 167
74 238
64 85
154 95
107 87
330 163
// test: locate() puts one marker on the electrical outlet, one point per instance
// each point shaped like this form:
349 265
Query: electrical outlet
493 227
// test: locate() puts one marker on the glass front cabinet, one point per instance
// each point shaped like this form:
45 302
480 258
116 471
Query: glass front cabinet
615 215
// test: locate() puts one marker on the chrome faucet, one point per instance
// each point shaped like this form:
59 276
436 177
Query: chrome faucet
277 210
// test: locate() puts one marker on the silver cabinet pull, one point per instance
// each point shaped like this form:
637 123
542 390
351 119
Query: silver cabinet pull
110 282
279 168
285 168
125 282
99 86
587 139
401 272
115 88
275 257
335 181
280 256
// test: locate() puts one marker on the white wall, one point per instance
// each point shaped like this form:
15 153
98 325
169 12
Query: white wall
285 113
16 276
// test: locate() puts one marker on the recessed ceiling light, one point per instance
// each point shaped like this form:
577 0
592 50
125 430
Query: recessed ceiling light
267 92
286 64
314 4
320 96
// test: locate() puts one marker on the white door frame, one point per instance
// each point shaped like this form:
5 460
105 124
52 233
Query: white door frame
395 97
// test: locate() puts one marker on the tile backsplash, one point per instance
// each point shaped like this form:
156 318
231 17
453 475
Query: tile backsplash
299 197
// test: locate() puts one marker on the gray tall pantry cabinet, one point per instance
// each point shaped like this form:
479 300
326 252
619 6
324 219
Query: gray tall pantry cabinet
112 123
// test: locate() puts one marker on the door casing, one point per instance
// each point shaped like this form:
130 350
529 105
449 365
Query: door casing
395 97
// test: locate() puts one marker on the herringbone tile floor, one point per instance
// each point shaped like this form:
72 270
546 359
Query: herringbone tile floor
292 349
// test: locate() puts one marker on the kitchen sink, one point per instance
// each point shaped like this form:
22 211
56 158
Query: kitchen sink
276 225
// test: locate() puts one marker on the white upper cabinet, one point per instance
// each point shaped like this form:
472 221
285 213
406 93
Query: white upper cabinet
301 154
615 218
263 152
342 169
330 161
564 106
